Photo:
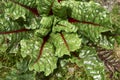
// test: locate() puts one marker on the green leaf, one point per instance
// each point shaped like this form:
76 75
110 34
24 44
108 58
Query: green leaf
44 6
30 3
88 12
45 26
15 11
92 32
30 47
94 68
73 42
64 26
69 26
106 42
59 10
92 65
34 23
47 62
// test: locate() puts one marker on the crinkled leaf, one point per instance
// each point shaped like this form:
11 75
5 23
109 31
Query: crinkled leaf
18 10
30 3
44 6
106 42
94 68
73 42
90 20
45 26
34 23
7 25
61 48
64 26
88 11
92 65
15 11
16 26
92 32
47 61
30 47
87 52
59 10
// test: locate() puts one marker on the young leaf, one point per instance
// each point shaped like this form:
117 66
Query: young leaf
47 62
63 47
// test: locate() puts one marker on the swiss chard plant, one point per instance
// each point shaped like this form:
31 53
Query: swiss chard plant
58 40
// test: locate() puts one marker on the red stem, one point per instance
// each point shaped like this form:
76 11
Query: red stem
84 22
16 31
41 48
34 11
59 1
51 12
72 20
64 40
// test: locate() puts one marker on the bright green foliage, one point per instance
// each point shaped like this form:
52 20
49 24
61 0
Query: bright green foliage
61 42
30 45
63 26
45 28
88 11
73 42
47 62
